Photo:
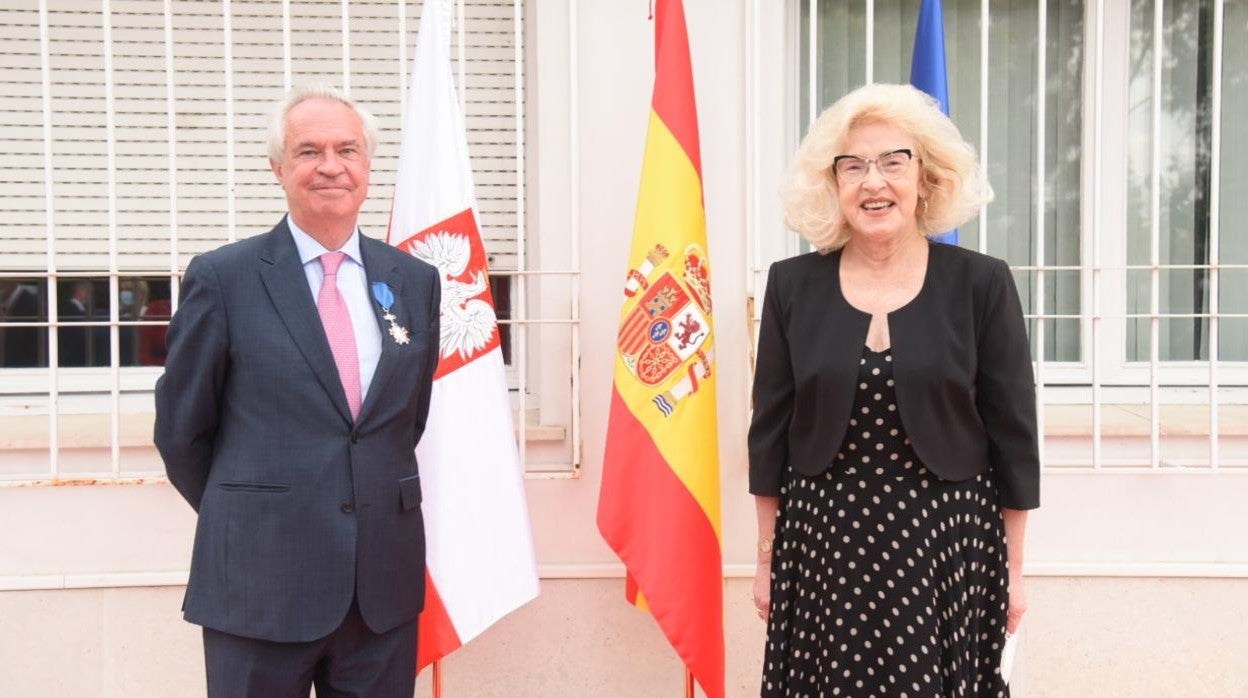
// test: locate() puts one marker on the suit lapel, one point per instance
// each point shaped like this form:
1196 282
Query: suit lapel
377 270
287 285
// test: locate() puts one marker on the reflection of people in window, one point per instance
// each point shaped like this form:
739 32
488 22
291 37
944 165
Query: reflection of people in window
73 340
19 302
152 337
131 305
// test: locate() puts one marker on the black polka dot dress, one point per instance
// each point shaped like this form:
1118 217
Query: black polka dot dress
886 580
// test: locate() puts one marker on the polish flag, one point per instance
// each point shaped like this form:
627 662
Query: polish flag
480 563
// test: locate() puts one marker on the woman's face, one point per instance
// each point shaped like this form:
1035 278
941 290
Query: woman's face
880 206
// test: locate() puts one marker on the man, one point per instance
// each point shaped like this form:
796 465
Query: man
296 388
73 340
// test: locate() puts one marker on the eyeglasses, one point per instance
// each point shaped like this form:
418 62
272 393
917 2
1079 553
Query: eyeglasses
891 165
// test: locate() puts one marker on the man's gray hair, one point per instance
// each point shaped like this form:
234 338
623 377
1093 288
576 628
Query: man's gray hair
277 120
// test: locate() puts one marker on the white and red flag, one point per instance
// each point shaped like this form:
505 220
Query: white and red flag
480 563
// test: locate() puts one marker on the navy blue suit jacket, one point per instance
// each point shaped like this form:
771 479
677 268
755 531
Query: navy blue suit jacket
300 507
961 357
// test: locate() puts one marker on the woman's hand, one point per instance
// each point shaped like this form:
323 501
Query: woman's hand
766 508
1017 605
761 594
1015 528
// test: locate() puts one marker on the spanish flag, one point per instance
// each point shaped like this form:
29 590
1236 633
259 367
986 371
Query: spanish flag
659 503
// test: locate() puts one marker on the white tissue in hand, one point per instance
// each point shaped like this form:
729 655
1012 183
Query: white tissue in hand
1007 656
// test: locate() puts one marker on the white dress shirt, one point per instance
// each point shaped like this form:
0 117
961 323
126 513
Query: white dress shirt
353 284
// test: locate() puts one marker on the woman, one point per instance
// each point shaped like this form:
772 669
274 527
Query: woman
132 295
893 448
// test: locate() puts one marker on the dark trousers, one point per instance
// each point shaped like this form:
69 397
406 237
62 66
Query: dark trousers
351 662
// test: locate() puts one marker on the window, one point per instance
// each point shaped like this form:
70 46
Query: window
1171 157
1007 105
1120 200
135 138
83 309
1083 215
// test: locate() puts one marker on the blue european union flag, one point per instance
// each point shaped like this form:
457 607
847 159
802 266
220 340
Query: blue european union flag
927 68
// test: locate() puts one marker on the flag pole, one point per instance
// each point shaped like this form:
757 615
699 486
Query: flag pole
688 683
437 678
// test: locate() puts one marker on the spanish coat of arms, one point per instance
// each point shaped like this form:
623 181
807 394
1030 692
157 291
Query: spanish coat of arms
667 332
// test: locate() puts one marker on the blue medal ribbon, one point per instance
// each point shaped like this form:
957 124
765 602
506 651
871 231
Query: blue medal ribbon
383 294
385 298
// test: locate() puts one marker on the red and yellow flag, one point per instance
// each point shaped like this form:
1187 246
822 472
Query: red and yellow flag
659 504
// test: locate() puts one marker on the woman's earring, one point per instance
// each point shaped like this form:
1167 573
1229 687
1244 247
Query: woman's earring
926 205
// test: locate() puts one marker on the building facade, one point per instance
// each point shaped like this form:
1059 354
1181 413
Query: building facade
134 135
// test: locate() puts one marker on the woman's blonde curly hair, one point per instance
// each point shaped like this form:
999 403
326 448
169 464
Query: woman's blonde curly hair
954 182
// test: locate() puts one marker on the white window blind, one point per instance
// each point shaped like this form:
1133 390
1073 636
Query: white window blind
211 181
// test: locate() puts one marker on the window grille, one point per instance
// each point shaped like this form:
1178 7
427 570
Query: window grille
135 134
1111 209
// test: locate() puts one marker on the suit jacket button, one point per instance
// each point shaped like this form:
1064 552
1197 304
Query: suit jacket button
347 507
355 437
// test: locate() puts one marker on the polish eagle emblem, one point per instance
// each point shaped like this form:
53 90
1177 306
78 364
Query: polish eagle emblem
468 323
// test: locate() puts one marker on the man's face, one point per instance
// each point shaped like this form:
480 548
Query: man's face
325 165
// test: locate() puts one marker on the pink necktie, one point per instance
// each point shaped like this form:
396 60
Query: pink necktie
337 321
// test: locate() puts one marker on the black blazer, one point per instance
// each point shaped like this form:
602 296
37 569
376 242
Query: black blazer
965 387
301 508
